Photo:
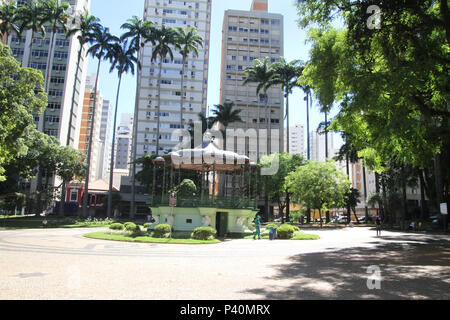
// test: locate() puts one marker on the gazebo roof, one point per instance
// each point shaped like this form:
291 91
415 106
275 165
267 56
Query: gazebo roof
205 156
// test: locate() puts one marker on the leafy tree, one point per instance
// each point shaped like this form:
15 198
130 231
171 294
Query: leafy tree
275 185
19 100
391 82
186 189
319 185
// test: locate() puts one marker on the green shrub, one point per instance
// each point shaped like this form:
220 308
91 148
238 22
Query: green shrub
162 231
204 233
116 226
130 226
271 224
147 225
286 231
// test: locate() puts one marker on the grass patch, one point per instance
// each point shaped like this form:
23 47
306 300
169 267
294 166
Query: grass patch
306 237
146 239
32 222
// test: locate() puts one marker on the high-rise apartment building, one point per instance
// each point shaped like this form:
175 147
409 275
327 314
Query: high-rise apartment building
247 36
91 121
296 140
33 51
123 142
172 13
105 141
318 146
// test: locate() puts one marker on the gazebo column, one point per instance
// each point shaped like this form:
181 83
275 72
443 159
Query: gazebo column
233 182
163 195
154 184
179 175
202 182
171 187
214 182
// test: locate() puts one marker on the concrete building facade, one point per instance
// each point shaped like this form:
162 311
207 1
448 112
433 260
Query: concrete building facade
183 14
297 140
123 142
33 51
91 121
250 35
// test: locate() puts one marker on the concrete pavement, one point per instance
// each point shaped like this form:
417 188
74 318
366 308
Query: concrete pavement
343 264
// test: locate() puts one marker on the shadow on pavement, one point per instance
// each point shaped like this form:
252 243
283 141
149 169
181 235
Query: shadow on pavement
417 269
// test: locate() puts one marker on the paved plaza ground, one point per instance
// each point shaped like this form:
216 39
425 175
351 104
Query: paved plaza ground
62 264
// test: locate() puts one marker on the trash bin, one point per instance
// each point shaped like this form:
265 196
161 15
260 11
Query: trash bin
272 233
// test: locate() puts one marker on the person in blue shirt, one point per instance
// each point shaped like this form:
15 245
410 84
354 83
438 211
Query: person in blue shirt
257 222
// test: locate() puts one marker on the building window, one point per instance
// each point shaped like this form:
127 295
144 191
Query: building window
74 195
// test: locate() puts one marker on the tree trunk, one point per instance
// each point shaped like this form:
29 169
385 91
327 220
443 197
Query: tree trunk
73 95
159 107
287 125
135 134
113 149
182 92
326 135
422 196
347 163
86 185
365 194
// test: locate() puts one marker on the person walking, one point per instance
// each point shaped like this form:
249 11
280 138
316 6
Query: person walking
378 226
257 222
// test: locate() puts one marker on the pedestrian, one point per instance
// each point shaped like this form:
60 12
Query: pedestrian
257 222
378 226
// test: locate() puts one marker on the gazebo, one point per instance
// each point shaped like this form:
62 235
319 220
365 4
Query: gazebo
226 197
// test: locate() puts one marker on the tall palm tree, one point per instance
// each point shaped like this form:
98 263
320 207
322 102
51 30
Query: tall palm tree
31 18
187 41
56 14
139 32
83 25
123 59
224 114
164 39
102 43
308 99
8 19
261 73
286 74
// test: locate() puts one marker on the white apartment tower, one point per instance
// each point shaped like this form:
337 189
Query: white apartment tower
172 13
123 142
296 140
250 35
318 146
105 141
55 120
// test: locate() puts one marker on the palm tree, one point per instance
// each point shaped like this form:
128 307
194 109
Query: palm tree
8 19
56 14
31 18
225 115
139 32
186 41
84 25
102 43
164 38
308 99
123 60
286 74
261 73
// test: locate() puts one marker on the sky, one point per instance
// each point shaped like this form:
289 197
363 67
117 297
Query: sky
113 13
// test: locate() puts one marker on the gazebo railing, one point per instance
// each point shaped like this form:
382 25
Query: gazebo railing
208 202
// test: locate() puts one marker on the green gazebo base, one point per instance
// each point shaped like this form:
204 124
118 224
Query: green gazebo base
186 219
